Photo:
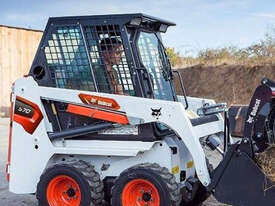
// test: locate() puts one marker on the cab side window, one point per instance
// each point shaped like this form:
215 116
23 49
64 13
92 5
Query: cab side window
94 61
68 61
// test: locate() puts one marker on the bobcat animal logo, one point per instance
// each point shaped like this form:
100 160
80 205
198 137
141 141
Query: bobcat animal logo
156 113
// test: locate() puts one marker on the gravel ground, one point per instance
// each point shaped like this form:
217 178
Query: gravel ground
10 199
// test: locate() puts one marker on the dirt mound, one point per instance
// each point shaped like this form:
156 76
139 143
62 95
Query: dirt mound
225 83
266 160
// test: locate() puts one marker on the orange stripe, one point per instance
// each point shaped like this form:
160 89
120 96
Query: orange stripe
98 114
10 139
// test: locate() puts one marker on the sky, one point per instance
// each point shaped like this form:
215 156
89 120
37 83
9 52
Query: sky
201 24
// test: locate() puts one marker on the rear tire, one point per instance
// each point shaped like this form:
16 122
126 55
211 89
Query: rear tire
146 184
70 184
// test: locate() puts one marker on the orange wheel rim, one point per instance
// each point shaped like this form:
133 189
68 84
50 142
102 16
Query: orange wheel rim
63 191
140 192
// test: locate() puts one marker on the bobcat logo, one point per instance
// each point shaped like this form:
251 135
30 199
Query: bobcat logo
254 111
156 113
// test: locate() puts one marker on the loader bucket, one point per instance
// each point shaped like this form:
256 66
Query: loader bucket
238 180
242 182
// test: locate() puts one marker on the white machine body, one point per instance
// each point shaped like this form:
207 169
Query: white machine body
31 154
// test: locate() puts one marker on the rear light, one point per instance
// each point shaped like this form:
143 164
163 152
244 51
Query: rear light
27 114
273 94
8 172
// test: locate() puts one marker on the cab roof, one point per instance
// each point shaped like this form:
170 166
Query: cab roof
123 18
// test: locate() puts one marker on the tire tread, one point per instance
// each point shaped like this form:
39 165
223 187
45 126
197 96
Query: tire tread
89 174
168 178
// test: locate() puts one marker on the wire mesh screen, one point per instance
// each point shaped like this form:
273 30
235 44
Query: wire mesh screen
69 65
108 59
68 60
150 53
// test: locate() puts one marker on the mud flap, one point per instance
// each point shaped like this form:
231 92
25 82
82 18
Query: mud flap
240 182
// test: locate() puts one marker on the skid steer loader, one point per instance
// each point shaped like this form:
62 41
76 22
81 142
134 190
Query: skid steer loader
97 121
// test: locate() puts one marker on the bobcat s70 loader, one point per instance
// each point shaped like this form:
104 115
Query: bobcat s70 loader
97 121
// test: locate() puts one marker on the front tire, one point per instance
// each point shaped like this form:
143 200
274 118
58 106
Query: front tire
201 194
146 184
71 184
271 126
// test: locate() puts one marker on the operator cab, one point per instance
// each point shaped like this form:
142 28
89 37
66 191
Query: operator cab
117 54
83 53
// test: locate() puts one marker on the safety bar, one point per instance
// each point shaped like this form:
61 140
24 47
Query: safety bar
74 132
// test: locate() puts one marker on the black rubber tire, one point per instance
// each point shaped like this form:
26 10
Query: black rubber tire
202 194
88 179
268 139
160 177
271 122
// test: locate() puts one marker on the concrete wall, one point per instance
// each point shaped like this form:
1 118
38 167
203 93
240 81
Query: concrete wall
17 49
